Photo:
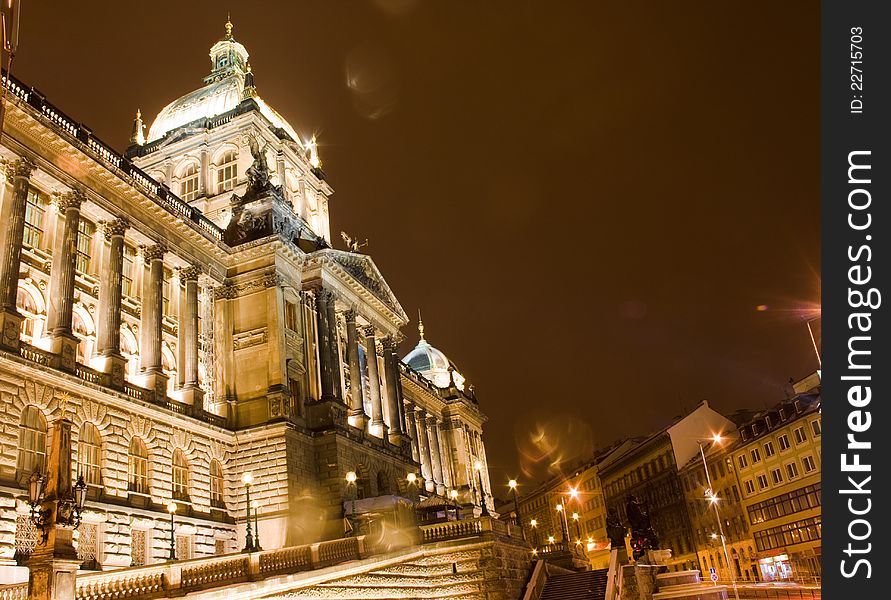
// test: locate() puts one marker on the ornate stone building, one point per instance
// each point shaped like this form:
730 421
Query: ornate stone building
184 303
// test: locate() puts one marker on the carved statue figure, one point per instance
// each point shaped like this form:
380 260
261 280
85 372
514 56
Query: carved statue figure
353 244
258 172
615 529
643 537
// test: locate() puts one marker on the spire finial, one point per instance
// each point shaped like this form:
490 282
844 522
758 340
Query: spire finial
420 326
228 26
137 134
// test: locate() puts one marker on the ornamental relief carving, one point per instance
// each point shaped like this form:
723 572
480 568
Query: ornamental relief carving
247 339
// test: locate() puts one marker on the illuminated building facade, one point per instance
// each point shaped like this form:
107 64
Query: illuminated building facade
648 470
184 303
778 465
703 519
583 495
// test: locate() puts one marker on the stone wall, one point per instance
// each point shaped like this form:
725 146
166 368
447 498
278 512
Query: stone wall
639 581
507 566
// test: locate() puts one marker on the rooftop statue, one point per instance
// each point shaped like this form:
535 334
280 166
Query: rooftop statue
258 172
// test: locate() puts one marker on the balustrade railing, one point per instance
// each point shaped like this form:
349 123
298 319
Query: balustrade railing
16 591
179 578
106 155
89 375
34 354
467 527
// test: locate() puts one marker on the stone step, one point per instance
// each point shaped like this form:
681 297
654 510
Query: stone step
463 590
446 558
587 585
416 570
378 580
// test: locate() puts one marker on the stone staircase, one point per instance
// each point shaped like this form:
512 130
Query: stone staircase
446 573
586 585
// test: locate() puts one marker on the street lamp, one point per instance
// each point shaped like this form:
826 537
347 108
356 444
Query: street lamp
534 524
484 512
247 479
256 506
713 499
512 484
171 508
351 483
578 529
454 495
564 525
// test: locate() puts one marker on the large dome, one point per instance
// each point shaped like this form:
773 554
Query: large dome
223 92
434 365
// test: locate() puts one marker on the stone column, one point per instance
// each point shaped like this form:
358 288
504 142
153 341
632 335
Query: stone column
436 454
357 416
61 299
10 260
334 348
192 394
424 449
152 320
109 339
323 298
412 430
374 383
393 404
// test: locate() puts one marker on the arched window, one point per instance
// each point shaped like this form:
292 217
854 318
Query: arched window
168 366
180 475
139 464
83 331
130 351
32 442
26 305
216 484
227 171
89 455
383 484
188 184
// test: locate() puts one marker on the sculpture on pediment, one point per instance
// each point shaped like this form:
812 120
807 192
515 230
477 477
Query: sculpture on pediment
353 244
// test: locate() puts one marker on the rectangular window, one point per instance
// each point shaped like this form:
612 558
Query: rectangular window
188 190
227 173
138 547
784 442
800 436
127 272
85 231
183 547
791 471
88 546
815 427
809 464
165 292
756 455
291 316
762 482
750 486
777 476
806 530
742 461
769 449
35 207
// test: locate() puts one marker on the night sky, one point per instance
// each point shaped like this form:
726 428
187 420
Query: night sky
588 201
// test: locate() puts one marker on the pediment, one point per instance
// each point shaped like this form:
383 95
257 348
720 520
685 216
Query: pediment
361 268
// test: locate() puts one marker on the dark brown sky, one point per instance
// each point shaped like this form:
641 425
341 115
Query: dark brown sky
587 199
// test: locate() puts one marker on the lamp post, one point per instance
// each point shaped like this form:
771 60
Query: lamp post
512 484
484 512
247 479
454 495
564 526
713 498
256 506
351 483
534 524
578 529
171 508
